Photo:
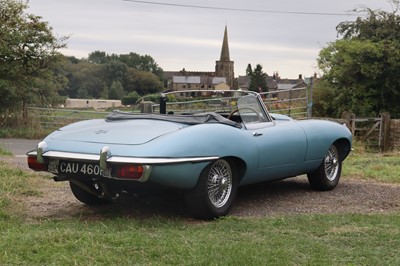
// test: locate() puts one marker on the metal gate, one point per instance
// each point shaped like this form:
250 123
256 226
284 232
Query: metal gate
295 103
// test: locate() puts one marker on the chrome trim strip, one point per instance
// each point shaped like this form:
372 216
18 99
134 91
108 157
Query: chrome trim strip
72 155
118 159
138 160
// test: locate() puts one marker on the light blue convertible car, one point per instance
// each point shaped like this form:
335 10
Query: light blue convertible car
204 143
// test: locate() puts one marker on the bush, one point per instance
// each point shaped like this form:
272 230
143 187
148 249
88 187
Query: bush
130 99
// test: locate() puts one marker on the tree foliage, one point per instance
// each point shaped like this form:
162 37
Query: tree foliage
116 91
131 60
131 98
33 71
96 75
258 78
97 79
28 53
375 26
361 69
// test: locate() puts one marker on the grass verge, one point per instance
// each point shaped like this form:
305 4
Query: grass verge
381 167
24 132
293 240
5 152
14 182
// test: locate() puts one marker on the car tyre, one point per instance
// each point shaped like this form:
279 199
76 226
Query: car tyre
215 191
86 197
327 176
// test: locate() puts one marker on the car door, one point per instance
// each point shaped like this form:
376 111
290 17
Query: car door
282 145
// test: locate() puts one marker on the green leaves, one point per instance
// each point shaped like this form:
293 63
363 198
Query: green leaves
27 51
363 67
131 60
258 81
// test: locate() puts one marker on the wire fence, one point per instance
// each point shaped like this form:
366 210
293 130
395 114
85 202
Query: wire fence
294 103
50 118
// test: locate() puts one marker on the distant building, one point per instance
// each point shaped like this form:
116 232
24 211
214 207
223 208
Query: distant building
275 83
95 104
180 83
222 78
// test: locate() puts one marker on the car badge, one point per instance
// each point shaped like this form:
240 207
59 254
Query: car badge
101 131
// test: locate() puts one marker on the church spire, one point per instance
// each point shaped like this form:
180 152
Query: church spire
224 67
225 48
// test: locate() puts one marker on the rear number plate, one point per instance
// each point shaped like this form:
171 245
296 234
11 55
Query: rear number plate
79 168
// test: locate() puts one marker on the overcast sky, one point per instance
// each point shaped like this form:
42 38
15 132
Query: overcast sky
286 40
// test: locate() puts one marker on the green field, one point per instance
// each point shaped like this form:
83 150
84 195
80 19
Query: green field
292 239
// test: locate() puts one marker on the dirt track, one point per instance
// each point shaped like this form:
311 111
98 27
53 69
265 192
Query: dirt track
290 196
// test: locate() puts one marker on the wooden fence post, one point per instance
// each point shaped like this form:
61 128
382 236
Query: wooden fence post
350 121
346 116
353 124
146 107
385 131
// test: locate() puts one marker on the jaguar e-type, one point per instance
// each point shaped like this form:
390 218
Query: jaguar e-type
203 143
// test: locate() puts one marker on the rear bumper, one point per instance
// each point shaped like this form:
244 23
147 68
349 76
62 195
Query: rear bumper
172 172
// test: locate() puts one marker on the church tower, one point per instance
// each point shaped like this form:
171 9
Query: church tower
224 67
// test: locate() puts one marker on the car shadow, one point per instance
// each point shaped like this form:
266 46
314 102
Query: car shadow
251 200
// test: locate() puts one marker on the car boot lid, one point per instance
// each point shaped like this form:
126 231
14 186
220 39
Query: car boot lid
129 132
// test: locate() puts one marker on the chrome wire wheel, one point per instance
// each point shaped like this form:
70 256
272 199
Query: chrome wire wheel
327 176
219 183
331 163
215 191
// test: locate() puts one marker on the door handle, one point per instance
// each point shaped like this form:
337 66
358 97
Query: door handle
257 134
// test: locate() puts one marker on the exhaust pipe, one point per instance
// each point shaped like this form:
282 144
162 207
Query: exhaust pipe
98 189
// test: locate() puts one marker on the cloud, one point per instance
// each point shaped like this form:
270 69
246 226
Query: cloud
178 37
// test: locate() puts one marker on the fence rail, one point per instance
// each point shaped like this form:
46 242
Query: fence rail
50 118
294 102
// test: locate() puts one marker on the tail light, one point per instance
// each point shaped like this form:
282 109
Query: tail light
130 171
34 164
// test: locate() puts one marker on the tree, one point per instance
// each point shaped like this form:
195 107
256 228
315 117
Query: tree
28 48
116 91
361 70
85 76
249 70
98 57
376 26
143 82
142 63
115 70
258 78
132 60
104 93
